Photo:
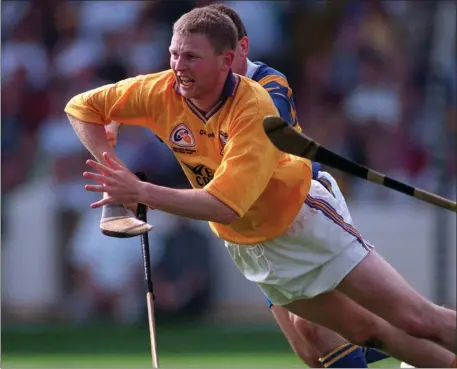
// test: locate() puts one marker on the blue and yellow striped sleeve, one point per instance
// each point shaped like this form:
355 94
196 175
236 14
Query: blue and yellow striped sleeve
282 96
277 86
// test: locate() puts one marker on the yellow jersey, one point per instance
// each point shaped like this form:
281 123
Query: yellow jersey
224 151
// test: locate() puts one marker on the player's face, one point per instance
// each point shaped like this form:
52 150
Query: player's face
199 70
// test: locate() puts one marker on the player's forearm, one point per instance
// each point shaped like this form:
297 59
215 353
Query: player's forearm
195 204
93 137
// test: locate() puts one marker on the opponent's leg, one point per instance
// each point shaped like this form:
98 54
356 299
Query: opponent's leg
364 328
373 355
334 351
374 284
318 346
305 351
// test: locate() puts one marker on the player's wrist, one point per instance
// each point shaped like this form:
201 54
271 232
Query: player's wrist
142 192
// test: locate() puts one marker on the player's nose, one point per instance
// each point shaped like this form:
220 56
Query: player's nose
180 64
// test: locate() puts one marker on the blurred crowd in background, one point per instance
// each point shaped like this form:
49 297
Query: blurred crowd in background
359 71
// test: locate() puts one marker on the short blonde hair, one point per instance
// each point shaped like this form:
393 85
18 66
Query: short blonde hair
233 15
218 27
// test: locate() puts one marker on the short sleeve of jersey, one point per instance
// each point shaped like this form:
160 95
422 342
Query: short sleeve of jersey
127 101
250 160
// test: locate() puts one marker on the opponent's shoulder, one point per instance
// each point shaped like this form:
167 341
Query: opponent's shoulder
266 74
264 70
251 99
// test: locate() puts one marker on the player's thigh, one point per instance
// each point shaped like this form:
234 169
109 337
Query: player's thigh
339 314
377 286
304 348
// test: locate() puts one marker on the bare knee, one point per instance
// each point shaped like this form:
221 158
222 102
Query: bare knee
309 331
364 332
303 348
304 342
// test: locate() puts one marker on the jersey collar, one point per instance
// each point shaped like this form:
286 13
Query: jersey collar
230 85
229 90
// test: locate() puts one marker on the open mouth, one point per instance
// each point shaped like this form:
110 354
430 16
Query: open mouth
186 82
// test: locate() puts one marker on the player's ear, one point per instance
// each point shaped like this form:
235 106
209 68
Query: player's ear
229 57
244 46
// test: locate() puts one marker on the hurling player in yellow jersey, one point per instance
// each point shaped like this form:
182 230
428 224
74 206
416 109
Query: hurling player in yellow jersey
284 231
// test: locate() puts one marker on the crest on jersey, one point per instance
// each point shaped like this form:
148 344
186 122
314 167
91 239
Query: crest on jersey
182 136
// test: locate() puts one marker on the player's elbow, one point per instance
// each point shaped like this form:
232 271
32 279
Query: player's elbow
220 212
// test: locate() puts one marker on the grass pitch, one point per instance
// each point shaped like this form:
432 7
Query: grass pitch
183 346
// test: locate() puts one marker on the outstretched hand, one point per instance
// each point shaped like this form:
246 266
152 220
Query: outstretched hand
117 181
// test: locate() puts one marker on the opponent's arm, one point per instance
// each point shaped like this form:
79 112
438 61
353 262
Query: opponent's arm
284 104
283 99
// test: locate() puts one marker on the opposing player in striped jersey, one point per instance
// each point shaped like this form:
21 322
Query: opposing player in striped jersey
284 231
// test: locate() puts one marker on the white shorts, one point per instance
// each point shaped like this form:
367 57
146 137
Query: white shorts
318 250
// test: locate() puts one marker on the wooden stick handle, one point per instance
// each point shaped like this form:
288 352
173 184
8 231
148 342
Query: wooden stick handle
152 330
435 199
